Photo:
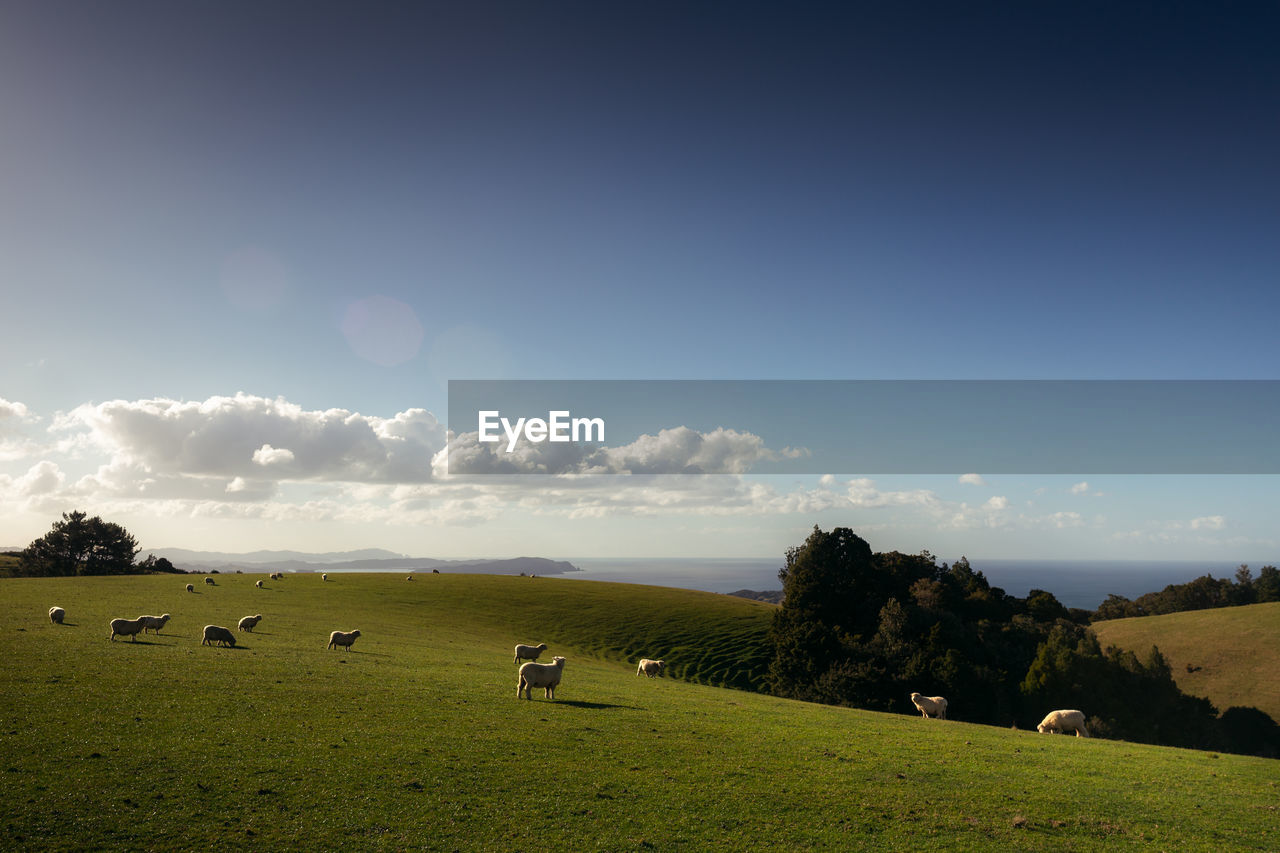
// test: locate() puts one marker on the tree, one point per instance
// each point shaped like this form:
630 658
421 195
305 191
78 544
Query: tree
79 545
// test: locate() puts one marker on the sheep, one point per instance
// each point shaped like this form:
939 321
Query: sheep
409 578
529 652
248 623
214 634
324 576
930 706
56 615
153 623
342 638
1061 722
191 588
126 628
544 675
208 581
650 667
258 584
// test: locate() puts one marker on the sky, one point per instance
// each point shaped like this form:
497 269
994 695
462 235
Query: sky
245 246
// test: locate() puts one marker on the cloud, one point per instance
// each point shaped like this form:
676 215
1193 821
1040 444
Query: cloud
1066 519
998 502
1079 489
678 450
1209 522
247 436
972 480
43 478
10 411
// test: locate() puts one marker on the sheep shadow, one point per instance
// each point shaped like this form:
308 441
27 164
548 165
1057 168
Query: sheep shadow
593 706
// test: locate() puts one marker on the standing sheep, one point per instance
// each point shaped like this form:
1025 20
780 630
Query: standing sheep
126 628
650 668
214 634
208 581
342 638
930 706
529 652
56 615
248 623
258 584
153 623
1061 722
191 588
544 675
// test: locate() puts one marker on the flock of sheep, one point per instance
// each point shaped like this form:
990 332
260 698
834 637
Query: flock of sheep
531 673
1056 722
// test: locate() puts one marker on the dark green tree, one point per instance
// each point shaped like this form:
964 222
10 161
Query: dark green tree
79 545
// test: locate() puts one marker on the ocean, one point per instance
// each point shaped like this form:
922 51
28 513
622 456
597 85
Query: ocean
1075 583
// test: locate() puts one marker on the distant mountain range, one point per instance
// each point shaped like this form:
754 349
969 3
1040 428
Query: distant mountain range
367 559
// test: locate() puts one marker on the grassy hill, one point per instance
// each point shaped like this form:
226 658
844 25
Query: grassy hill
1234 651
415 739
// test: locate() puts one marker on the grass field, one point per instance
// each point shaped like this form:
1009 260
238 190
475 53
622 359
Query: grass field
1234 652
414 739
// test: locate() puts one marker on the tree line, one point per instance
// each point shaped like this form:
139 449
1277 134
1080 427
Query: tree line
867 629
1203 593
80 545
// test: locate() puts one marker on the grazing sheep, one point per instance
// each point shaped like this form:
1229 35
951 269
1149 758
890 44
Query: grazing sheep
544 675
208 581
153 623
217 634
126 628
191 588
1061 722
56 614
409 578
529 652
342 638
248 623
650 667
258 584
324 576
930 706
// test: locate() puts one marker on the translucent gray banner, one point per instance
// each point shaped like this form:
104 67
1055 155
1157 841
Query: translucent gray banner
864 426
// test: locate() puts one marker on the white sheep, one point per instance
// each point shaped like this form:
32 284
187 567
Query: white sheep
544 675
208 581
258 584
126 628
409 578
248 623
529 652
324 576
218 634
1061 722
191 588
153 623
56 615
930 706
650 667
342 638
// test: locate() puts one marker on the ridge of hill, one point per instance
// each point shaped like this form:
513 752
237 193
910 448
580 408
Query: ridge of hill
1228 655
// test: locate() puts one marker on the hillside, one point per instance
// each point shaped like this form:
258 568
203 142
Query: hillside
1233 652
414 737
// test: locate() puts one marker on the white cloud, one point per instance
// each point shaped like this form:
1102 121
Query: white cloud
43 478
268 455
1079 489
972 480
1066 519
997 502
1209 522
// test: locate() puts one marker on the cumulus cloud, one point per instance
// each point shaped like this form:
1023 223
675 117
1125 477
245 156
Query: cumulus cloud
1079 489
997 502
679 450
1209 522
43 478
11 411
1066 519
246 436
972 480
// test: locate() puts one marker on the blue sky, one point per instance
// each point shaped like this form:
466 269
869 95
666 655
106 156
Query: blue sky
223 226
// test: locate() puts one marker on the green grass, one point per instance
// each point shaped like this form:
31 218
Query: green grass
414 738
1235 651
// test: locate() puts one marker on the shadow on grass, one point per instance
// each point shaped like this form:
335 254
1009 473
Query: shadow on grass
593 706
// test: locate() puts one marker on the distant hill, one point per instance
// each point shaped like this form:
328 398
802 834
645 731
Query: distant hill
1229 655
773 596
371 559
